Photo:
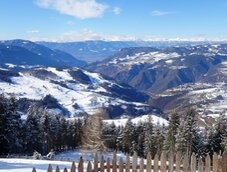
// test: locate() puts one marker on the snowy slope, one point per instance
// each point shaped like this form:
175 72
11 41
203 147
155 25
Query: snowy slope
144 118
77 91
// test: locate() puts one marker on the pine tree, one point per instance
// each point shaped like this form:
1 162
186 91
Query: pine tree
159 137
127 137
170 140
186 135
34 134
149 142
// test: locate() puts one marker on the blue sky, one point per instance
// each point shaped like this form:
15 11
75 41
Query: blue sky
78 20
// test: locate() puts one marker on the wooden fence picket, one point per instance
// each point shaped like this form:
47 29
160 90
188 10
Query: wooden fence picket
141 165
156 163
57 169
101 162
81 165
127 163
114 162
215 162
121 165
89 167
33 170
73 167
108 165
50 169
163 161
171 162
200 165
65 170
193 163
96 162
224 162
134 162
185 163
178 161
148 168
207 167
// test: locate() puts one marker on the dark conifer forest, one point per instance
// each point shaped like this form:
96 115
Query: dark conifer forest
42 130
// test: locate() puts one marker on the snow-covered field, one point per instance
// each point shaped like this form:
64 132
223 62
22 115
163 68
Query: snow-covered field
26 165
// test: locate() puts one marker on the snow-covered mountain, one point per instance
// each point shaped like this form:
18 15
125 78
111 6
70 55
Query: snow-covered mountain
23 52
176 77
156 70
72 91
92 51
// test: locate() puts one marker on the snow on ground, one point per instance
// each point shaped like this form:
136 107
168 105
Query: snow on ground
138 58
88 99
144 118
26 165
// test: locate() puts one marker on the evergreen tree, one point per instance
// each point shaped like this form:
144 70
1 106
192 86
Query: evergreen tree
186 135
149 140
170 140
128 136
159 137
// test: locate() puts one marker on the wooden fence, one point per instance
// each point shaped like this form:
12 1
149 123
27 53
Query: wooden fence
171 163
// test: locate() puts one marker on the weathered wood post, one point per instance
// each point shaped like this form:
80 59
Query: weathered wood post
171 159
89 167
65 170
148 167
134 162
50 169
57 169
156 161
101 162
33 170
81 165
207 168
96 162
200 165
114 162
163 161
185 163
215 162
178 161
224 162
121 165
108 165
127 163
193 163
141 165
73 167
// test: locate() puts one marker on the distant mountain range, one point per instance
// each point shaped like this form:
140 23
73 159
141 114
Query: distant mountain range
92 51
168 76
22 52
176 77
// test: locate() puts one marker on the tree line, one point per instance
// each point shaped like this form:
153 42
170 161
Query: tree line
42 130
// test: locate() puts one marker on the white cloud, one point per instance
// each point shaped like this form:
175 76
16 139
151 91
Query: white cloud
117 10
81 9
85 35
161 13
32 31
